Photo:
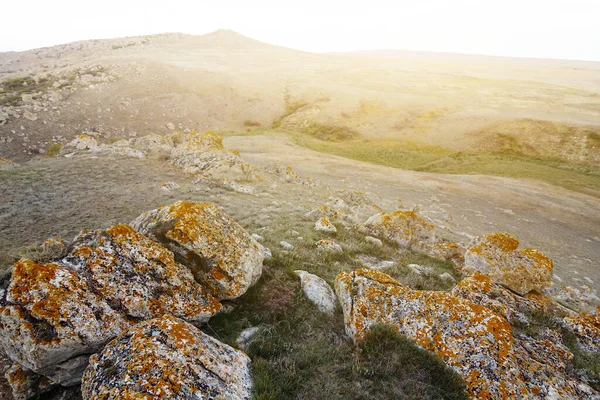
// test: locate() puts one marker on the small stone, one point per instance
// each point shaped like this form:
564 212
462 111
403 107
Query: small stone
329 246
317 291
324 225
246 336
286 245
257 237
374 241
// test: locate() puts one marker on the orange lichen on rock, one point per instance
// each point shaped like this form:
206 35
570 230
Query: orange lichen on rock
473 340
497 256
223 255
167 358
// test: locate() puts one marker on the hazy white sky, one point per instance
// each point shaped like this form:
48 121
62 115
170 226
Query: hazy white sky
526 28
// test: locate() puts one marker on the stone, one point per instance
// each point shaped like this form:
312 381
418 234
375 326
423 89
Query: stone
324 225
170 126
221 254
584 299
54 315
476 342
81 142
167 358
447 277
373 241
329 246
30 116
205 154
247 336
257 237
286 245
317 291
496 255
421 269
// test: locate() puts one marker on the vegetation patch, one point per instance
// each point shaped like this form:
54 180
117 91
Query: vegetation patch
290 108
331 133
422 157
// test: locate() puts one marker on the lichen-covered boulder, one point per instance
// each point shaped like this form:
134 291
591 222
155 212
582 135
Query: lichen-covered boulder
81 142
324 225
167 358
496 255
403 227
53 316
543 361
204 153
50 322
221 253
473 340
138 276
317 291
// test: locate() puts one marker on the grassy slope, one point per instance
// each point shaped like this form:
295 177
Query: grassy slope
421 157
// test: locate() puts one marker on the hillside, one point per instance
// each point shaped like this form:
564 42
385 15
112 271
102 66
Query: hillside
216 217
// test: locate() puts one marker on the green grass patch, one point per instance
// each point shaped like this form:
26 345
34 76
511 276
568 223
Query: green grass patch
331 133
54 149
426 158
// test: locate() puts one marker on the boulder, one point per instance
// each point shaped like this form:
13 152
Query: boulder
474 341
496 255
167 358
403 227
222 255
205 154
317 291
53 316
324 225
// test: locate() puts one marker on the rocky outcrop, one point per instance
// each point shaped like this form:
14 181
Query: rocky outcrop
167 358
86 144
54 315
496 255
223 256
352 208
204 153
544 360
317 291
473 340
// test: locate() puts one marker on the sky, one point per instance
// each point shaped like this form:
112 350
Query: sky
563 29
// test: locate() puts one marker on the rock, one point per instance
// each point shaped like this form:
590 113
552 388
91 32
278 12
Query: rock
543 361
167 358
30 116
324 225
421 269
329 246
374 241
447 277
257 237
266 252
237 187
169 186
55 315
247 336
584 299
405 228
205 154
222 255
476 342
81 142
154 144
375 263
357 207
171 126
317 291
26 384
288 174
286 245
520 270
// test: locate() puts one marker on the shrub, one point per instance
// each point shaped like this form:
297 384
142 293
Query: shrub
249 122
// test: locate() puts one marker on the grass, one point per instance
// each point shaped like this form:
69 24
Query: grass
54 149
13 88
582 361
426 158
304 354
290 108
330 133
